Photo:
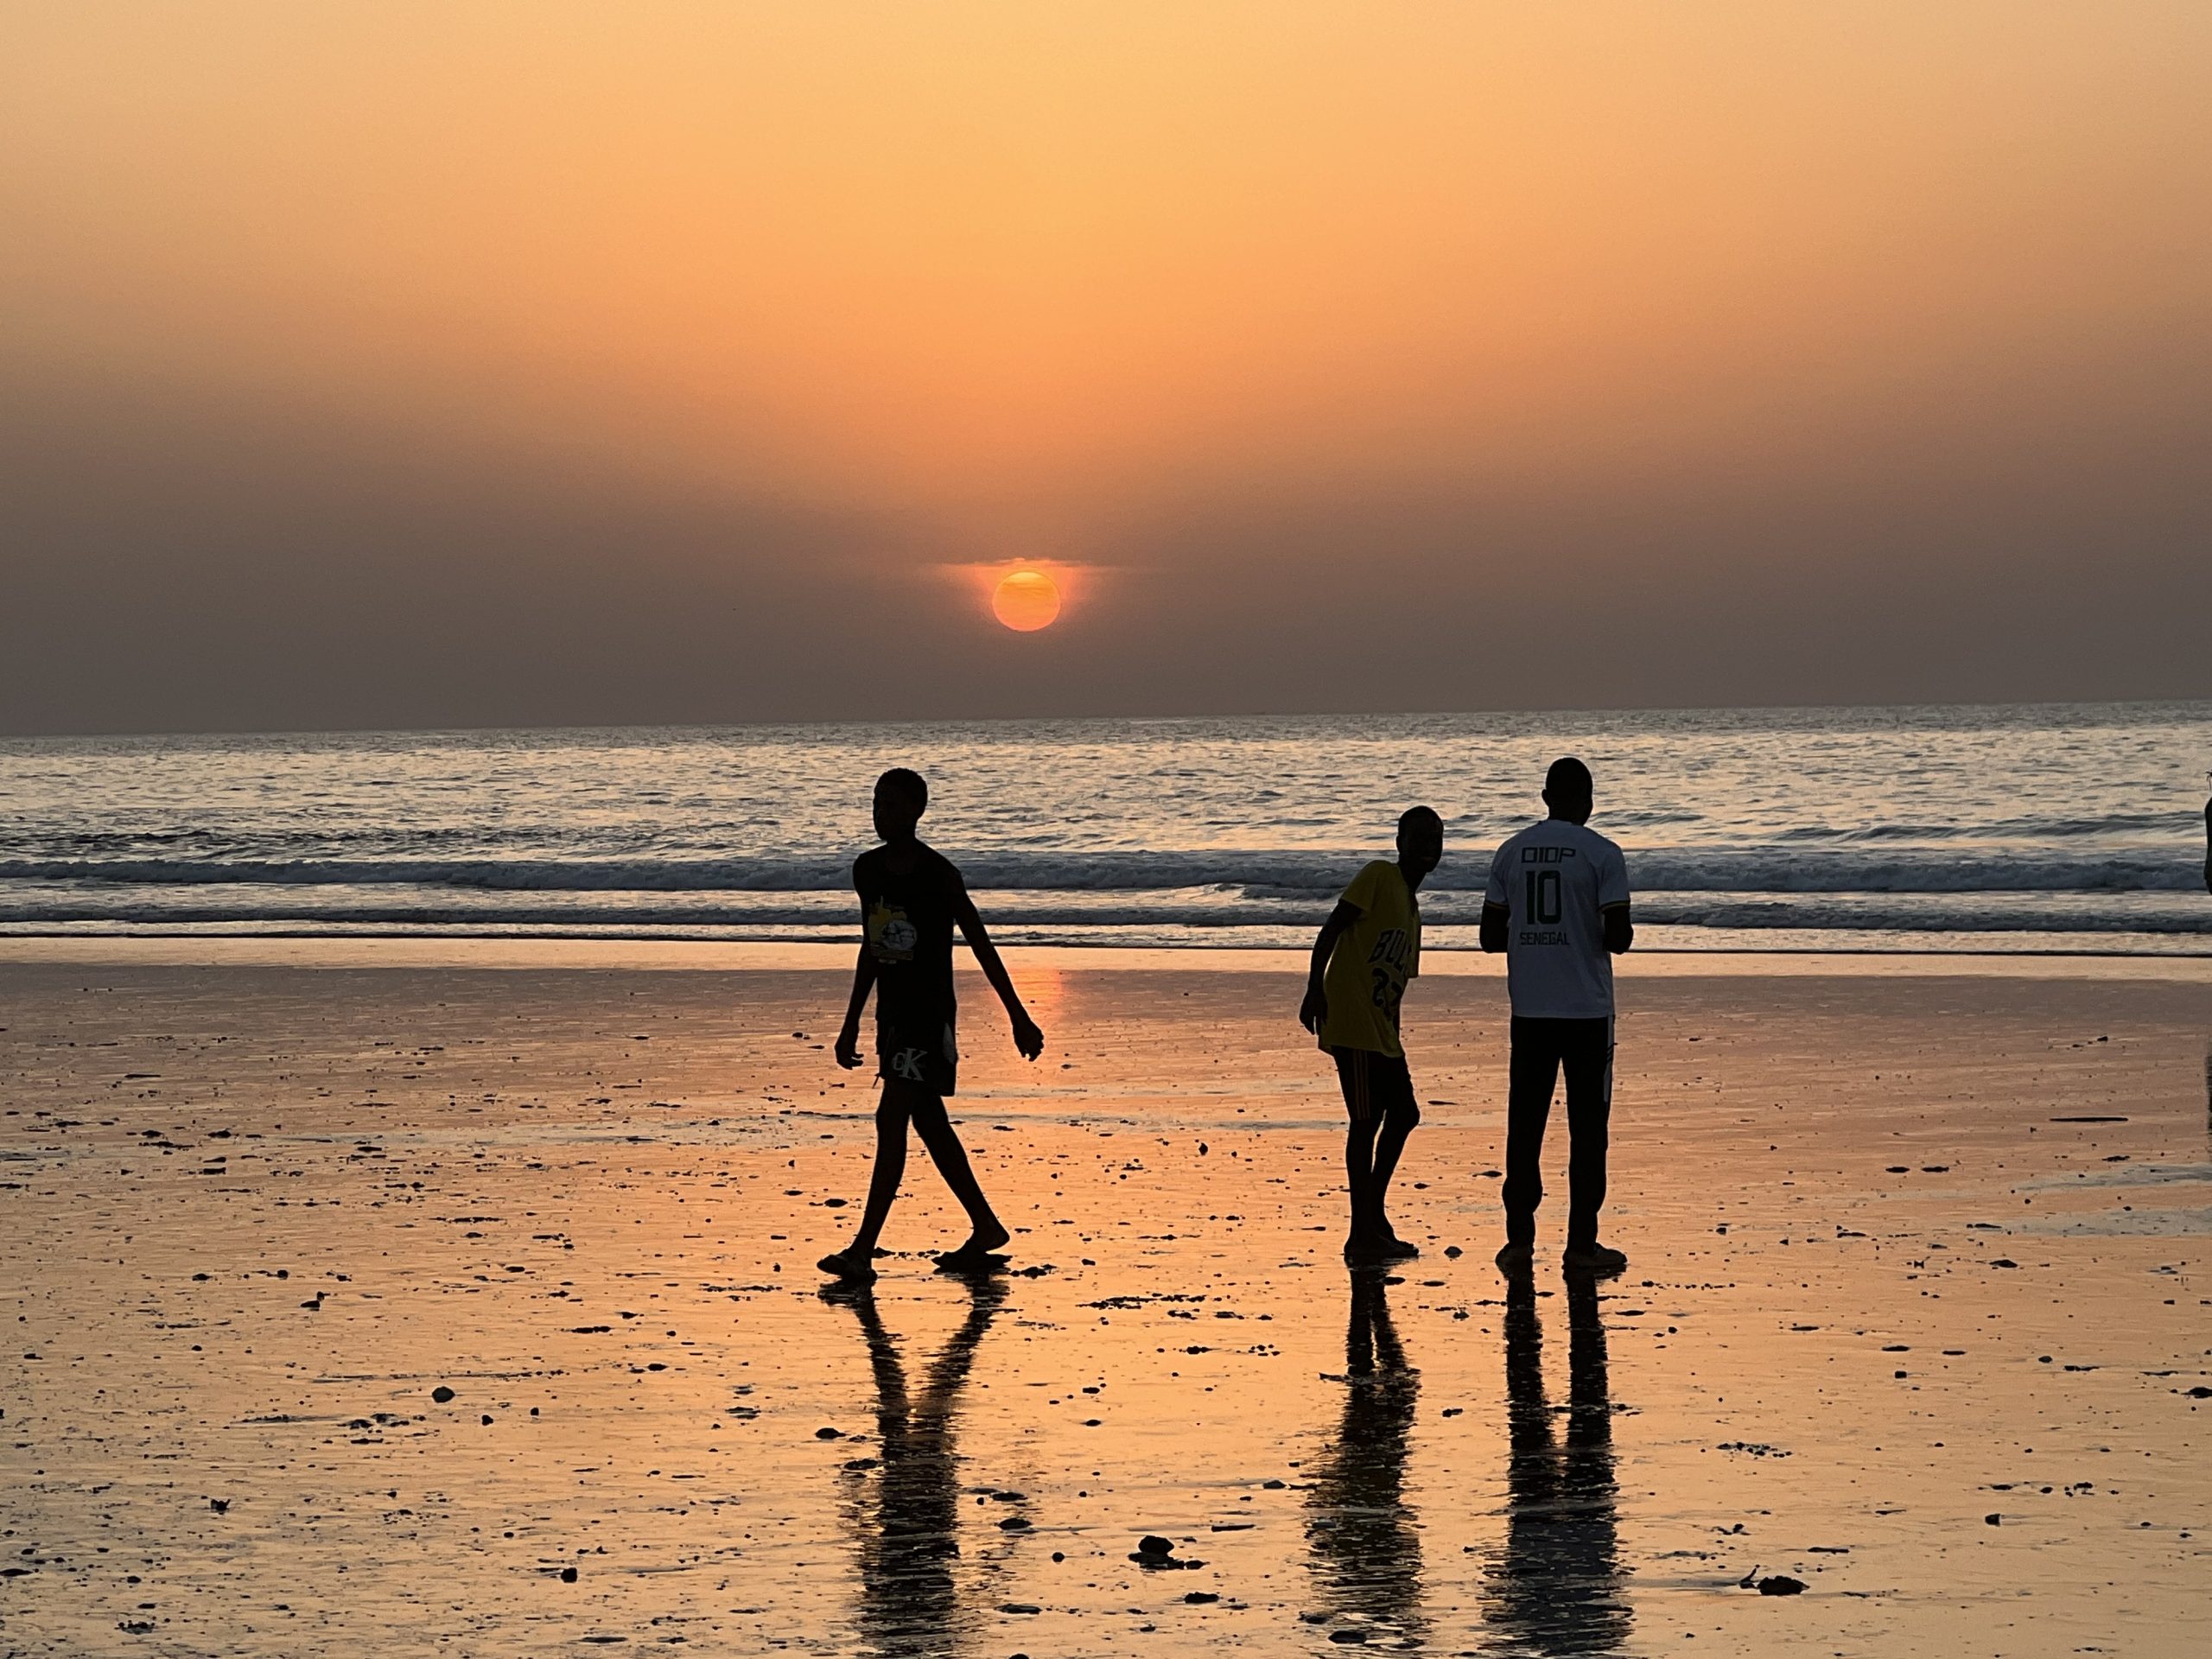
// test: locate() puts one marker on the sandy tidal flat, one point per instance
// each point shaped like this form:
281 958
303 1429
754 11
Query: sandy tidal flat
1917 1316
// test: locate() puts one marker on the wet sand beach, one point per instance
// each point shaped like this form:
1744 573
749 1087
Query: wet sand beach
1916 1316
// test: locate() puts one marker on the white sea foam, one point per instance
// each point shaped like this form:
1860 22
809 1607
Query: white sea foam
1919 826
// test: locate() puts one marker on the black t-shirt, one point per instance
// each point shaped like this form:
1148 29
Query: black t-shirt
906 923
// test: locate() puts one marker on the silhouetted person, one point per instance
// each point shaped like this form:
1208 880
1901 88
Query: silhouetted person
2207 833
1366 951
1558 906
1365 1550
906 1512
911 896
1555 1587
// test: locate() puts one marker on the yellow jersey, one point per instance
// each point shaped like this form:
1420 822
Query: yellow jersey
1372 961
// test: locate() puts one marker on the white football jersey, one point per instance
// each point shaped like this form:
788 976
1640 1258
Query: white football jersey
1554 878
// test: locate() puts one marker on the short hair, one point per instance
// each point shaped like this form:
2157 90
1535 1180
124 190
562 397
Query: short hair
904 780
1418 816
1570 779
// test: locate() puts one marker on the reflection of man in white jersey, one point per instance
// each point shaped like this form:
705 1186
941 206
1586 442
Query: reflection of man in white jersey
1558 907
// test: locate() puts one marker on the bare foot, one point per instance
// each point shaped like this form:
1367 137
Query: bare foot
851 1264
986 1238
976 1252
1592 1258
1365 1250
1515 1259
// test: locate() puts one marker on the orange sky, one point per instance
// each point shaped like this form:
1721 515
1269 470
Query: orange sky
1034 280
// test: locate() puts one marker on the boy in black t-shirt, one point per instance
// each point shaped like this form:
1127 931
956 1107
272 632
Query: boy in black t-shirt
911 896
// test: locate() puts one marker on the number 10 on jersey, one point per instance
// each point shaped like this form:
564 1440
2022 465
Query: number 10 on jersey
1541 894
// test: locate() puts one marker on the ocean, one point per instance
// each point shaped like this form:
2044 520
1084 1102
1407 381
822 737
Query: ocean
2062 828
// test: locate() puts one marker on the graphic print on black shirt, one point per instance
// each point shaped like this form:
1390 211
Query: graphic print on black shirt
906 921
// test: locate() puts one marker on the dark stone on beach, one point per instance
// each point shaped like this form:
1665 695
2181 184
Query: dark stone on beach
1453 1251
828 1434
220 1505
442 1394
1993 1520
487 1419
1352 1636
1020 1607
1199 1598
2200 1393
2004 1261
1272 1485
568 1575
1014 1523
1782 1585
1153 1553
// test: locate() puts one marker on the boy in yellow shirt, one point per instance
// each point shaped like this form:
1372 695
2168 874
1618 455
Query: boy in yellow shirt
1367 950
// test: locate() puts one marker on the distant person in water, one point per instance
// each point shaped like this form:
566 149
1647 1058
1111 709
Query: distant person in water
1366 951
1558 906
910 895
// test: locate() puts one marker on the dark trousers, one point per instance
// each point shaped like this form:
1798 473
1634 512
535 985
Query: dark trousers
1541 1050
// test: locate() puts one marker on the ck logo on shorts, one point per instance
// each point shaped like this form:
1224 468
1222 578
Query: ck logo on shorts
907 1064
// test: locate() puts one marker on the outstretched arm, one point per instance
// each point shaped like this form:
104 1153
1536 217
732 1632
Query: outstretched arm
1620 930
848 1036
1313 1012
1028 1037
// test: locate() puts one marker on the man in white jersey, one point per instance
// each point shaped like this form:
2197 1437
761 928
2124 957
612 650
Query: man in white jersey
1558 907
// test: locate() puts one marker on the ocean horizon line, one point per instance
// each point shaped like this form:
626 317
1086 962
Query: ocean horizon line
709 728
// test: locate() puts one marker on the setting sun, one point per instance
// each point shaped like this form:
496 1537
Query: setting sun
1027 601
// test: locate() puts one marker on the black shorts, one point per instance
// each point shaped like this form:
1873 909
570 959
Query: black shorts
1374 1084
911 1058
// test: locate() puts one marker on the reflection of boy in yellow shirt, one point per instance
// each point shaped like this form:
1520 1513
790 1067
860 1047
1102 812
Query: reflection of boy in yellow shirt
1367 950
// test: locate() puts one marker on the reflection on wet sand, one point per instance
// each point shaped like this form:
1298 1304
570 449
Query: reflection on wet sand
903 1506
1555 1587
1365 1554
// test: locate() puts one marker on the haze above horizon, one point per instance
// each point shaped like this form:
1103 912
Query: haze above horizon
543 364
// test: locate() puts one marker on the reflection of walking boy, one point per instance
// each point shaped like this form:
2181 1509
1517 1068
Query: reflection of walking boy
1558 907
